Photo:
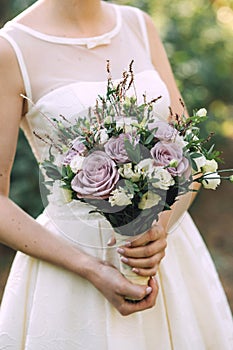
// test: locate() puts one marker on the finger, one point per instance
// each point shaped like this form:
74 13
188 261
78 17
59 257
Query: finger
134 291
147 302
143 251
144 262
153 234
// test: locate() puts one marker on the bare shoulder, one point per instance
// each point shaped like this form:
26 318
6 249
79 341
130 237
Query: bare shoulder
9 67
161 62
156 46
151 28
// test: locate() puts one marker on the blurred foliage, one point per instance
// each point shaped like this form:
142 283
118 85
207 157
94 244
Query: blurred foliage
198 40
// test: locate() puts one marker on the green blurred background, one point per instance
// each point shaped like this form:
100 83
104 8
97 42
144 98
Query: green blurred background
198 38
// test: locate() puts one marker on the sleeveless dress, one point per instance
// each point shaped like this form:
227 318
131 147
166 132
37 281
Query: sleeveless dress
47 308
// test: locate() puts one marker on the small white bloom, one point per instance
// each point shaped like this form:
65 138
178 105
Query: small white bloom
149 199
210 166
101 136
165 180
120 197
201 112
76 163
127 172
179 141
146 167
211 181
200 162
127 123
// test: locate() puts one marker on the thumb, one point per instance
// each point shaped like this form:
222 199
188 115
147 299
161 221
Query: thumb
136 291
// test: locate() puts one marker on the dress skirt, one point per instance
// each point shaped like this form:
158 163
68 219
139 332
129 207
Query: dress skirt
47 308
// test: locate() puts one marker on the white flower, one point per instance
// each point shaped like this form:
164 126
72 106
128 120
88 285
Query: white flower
200 162
127 172
76 163
101 136
120 197
127 123
59 196
179 141
201 112
149 199
210 166
165 180
146 167
211 181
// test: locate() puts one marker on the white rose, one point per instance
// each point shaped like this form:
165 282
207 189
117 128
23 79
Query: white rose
210 166
149 199
59 196
76 163
211 181
146 167
201 112
127 172
120 197
200 162
165 180
101 136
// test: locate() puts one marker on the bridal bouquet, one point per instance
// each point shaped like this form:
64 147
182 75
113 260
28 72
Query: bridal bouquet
127 164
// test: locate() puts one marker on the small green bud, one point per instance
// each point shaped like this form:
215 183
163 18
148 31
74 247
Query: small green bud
173 163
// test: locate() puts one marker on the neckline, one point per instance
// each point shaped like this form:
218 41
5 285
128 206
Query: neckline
90 42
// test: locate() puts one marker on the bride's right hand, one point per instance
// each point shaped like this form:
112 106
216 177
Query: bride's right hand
116 289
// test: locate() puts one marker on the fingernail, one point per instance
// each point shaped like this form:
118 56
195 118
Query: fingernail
135 270
124 260
148 290
120 251
127 244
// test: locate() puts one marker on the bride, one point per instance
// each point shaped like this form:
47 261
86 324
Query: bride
65 292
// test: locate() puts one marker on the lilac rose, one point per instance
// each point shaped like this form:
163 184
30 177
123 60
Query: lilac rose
115 148
97 178
165 131
77 148
166 152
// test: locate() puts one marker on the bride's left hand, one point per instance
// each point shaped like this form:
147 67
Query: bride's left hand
145 252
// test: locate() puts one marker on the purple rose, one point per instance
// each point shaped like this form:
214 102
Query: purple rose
97 178
165 131
77 148
69 156
165 152
115 148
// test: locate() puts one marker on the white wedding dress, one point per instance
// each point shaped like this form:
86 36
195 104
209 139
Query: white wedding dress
47 308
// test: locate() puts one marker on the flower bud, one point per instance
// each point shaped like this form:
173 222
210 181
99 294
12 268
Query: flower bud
173 163
201 112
